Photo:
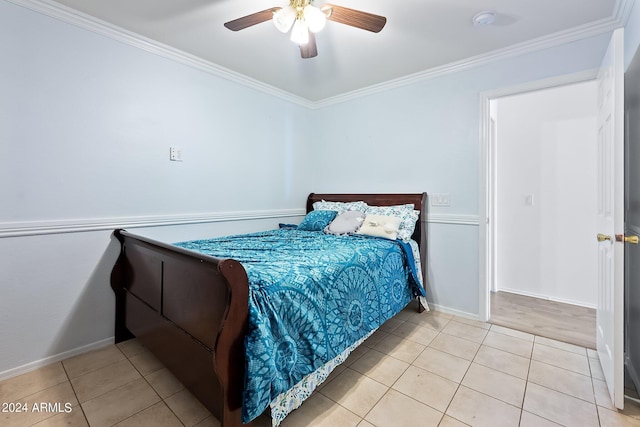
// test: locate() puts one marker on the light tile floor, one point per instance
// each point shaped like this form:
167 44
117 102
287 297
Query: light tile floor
424 369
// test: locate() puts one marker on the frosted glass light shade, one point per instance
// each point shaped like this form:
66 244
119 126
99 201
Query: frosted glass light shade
300 32
283 19
315 18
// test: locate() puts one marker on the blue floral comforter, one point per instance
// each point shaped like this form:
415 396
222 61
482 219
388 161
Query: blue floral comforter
311 295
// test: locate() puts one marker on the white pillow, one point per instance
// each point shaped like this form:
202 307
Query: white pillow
345 223
380 226
407 214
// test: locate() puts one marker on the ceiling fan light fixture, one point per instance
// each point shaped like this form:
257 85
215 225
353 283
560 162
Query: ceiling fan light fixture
284 18
315 18
304 20
300 32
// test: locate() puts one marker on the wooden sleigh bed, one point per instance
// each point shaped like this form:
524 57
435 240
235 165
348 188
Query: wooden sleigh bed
191 310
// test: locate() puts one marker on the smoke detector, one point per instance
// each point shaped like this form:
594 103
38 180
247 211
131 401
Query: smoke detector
486 17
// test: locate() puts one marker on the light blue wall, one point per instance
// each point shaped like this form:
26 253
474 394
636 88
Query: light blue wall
89 122
425 137
632 34
86 123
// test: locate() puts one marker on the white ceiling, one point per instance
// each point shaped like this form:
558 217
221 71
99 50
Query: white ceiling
420 35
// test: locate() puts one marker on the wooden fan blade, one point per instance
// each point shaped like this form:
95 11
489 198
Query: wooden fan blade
310 49
250 20
355 18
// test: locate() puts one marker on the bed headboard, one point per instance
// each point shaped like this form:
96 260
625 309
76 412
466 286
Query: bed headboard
419 200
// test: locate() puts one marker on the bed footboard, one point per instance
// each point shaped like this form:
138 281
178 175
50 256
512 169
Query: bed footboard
191 311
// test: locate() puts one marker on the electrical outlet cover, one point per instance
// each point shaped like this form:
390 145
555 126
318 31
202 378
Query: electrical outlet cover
175 154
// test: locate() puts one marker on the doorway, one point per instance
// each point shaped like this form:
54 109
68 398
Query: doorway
541 155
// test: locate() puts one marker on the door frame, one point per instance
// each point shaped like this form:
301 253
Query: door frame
487 199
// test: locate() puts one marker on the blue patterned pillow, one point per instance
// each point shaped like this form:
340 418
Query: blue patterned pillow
317 220
340 207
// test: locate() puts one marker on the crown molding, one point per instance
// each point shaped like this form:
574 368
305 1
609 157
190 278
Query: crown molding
574 34
88 22
621 13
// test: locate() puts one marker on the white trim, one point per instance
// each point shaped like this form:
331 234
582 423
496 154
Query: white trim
98 26
455 312
485 250
556 81
622 11
552 40
546 297
454 219
32 366
35 228
69 15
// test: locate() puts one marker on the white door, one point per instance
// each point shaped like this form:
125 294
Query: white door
610 218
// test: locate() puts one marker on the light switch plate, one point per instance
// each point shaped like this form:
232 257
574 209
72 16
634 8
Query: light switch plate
440 199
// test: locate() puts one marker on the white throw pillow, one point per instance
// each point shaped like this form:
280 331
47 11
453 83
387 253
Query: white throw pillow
345 223
407 214
380 226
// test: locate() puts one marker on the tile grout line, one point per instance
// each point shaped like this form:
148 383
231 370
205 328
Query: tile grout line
162 399
593 389
568 370
75 393
460 383
407 368
363 418
527 381
123 385
409 364
40 391
526 385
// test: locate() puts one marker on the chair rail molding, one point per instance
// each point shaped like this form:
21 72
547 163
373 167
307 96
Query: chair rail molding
34 228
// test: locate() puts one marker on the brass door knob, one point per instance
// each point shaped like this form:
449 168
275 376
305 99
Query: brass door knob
630 239
603 237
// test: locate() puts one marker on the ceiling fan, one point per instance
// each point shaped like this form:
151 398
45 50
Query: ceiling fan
304 20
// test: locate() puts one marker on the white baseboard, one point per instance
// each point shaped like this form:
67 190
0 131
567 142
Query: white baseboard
14 372
540 296
453 311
